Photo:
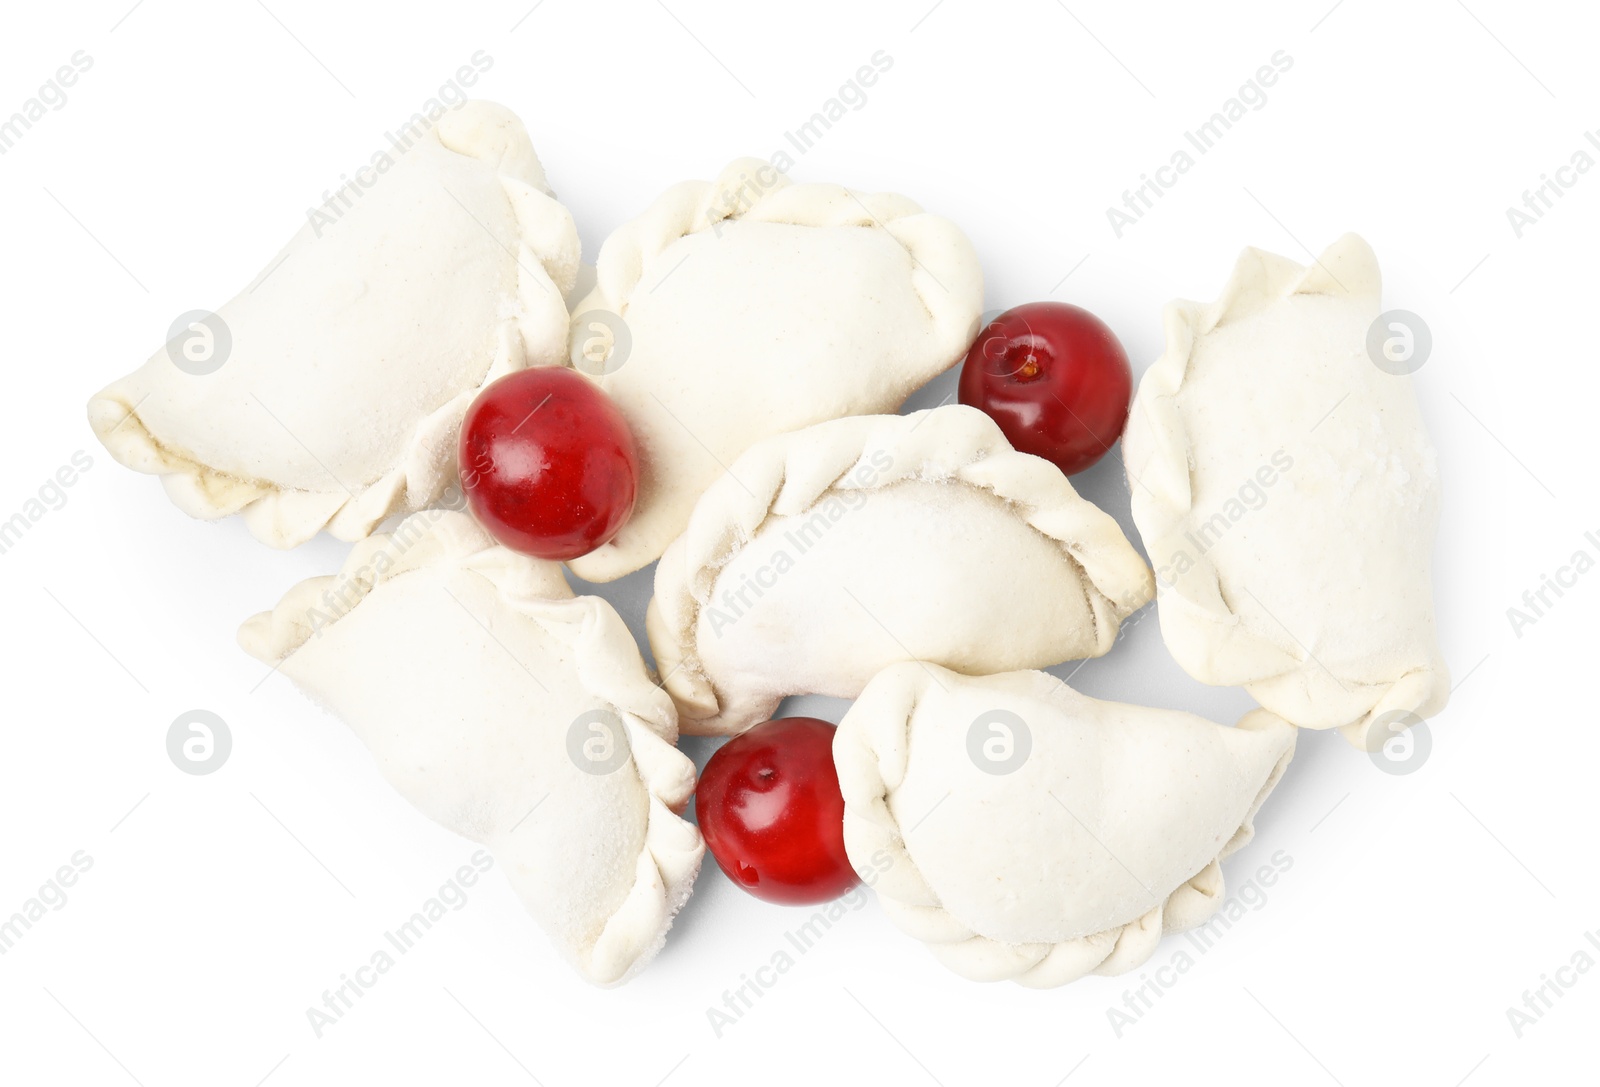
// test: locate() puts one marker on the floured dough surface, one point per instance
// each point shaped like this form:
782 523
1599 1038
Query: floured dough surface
1288 494
828 553
338 387
925 558
753 310
513 713
1026 831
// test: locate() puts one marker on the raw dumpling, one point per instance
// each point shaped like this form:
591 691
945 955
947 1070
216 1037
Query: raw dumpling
1288 496
826 554
746 307
1028 832
329 393
512 713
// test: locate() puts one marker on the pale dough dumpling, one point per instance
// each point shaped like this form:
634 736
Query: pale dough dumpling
1028 832
512 713
826 554
1288 496
355 353
747 307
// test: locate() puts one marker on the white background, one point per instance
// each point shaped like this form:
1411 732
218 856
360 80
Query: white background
218 908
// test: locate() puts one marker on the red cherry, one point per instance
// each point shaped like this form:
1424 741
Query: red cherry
770 809
1056 380
548 463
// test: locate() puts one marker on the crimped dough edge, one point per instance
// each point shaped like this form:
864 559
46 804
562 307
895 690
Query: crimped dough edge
870 829
1159 474
800 468
607 662
547 263
944 268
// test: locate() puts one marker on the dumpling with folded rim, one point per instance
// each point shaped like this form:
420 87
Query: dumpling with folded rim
826 554
1024 831
1319 600
748 306
355 353
512 713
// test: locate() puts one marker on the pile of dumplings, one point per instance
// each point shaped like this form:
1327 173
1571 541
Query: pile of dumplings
810 541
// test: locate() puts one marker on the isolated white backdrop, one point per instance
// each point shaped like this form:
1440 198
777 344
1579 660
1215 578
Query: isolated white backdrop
1418 909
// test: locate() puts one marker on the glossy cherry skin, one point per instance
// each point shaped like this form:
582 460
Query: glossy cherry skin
770 808
1054 378
548 464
